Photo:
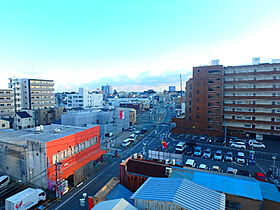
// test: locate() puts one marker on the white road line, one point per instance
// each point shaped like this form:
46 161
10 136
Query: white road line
62 204
260 167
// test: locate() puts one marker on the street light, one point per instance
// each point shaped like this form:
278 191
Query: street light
274 159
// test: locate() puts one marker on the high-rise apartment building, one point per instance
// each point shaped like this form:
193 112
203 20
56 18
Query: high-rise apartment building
252 99
244 100
7 103
32 93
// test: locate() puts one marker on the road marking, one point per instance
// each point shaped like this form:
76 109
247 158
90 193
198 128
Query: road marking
62 204
260 167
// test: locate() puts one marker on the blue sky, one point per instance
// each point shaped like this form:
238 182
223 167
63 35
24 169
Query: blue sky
132 45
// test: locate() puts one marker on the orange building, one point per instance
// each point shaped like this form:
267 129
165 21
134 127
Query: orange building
68 154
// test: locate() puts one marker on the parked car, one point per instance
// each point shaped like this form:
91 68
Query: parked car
216 168
190 163
144 130
260 177
238 145
251 141
203 166
180 148
197 151
189 150
137 132
240 158
243 173
207 153
229 156
4 181
126 143
131 129
218 155
202 138
258 145
231 170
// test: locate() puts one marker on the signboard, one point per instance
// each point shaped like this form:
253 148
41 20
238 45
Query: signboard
152 154
122 115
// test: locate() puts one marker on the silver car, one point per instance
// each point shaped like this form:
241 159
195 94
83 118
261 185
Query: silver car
207 153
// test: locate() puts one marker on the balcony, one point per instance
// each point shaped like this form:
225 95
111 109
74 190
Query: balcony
249 89
268 131
253 121
253 105
253 81
253 97
252 113
252 73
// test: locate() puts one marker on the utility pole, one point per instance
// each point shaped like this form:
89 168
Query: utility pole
181 101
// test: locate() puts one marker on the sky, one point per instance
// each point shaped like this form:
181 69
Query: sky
131 45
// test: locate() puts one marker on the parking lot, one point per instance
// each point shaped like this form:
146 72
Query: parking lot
263 158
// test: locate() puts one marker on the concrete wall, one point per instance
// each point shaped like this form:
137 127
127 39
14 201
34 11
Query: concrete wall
25 161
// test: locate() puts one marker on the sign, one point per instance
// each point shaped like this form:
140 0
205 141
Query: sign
122 115
152 154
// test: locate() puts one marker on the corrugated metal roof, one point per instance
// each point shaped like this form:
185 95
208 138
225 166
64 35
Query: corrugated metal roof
120 191
181 192
235 185
270 191
117 204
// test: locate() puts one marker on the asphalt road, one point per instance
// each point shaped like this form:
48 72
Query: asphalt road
94 184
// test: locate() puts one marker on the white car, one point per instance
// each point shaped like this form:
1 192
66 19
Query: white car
190 163
238 145
203 166
240 158
216 168
218 155
258 145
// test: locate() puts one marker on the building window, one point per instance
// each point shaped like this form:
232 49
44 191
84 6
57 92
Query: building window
272 119
274 77
272 127
247 126
197 91
197 108
197 116
197 100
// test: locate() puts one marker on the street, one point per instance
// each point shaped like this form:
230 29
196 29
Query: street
94 184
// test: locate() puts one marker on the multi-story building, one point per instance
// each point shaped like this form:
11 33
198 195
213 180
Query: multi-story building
32 93
252 100
48 116
204 101
84 98
244 100
107 89
33 155
7 103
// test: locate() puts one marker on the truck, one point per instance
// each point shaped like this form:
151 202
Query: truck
25 199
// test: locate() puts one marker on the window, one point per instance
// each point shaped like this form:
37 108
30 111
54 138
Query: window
197 116
272 119
247 126
272 127
198 71
274 77
197 108
197 100
197 91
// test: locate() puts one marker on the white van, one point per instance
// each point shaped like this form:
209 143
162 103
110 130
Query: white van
126 142
4 181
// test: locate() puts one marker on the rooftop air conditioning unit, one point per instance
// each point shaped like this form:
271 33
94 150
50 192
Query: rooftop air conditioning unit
167 161
168 171
134 156
140 156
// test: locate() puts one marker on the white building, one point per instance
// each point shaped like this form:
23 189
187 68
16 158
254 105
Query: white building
24 119
32 93
84 98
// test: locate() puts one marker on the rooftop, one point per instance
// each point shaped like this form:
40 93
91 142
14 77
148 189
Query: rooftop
117 204
182 192
23 114
49 133
230 184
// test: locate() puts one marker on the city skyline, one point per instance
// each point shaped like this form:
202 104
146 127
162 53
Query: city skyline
130 45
